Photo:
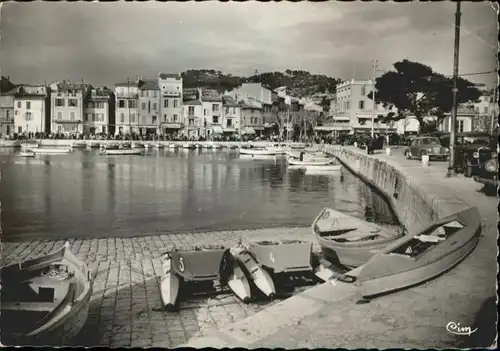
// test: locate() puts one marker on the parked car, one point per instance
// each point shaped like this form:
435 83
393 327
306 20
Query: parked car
488 172
425 145
472 150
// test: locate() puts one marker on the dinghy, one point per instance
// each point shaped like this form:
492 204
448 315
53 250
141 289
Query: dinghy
117 152
173 146
412 260
170 284
188 146
136 145
259 276
45 301
159 146
51 151
238 283
27 153
79 144
308 163
349 241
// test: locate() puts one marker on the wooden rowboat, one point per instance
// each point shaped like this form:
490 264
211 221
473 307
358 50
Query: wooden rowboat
51 150
257 152
112 152
45 301
416 259
349 241
311 162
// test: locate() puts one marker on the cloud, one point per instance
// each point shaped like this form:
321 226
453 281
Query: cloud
106 42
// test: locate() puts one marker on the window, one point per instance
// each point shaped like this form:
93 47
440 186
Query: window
363 91
132 117
191 122
72 103
460 125
229 124
215 119
28 105
19 104
165 117
7 114
204 112
175 118
72 115
60 103
215 107
227 110
347 105
191 110
59 115
28 116
361 105
19 130
143 106
234 110
143 119
100 104
122 118
165 103
175 103
121 103
485 110
132 104
154 119
90 104
154 106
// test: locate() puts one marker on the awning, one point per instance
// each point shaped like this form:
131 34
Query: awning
258 128
332 128
341 118
171 125
217 129
248 130
269 125
229 130
67 121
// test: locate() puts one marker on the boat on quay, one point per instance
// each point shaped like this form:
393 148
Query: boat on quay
200 266
349 241
414 259
45 301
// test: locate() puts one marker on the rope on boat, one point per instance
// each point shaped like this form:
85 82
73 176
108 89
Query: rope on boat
58 274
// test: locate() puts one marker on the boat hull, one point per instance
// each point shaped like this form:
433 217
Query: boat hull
118 152
257 152
283 256
238 283
170 285
27 154
10 143
65 321
51 151
259 276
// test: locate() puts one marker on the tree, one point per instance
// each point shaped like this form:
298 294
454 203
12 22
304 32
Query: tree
414 88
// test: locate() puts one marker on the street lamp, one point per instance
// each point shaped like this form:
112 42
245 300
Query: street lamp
374 64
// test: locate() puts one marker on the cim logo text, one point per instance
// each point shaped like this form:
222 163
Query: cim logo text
457 329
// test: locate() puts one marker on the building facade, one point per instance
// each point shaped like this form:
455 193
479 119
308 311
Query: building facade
127 107
192 112
149 107
32 109
99 114
171 111
231 124
68 101
251 118
212 113
7 113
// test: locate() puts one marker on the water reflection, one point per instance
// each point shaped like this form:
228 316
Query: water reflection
87 195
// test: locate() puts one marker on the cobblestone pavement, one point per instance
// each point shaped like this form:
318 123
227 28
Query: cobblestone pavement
126 288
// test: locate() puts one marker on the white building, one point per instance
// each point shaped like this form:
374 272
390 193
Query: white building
170 85
192 114
99 114
127 107
251 90
68 101
32 109
212 113
232 116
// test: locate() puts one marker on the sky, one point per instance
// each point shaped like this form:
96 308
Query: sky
104 43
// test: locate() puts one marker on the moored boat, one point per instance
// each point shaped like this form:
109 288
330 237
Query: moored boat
45 301
10 143
257 152
238 282
124 151
259 276
81 144
284 256
188 146
137 145
170 284
159 146
51 150
312 162
27 153
173 146
349 241
415 259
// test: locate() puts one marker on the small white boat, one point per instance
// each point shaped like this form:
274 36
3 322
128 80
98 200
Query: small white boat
198 146
323 170
121 152
256 152
159 146
27 153
238 283
137 146
79 144
173 146
188 146
170 284
259 275
217 146
51 150
325 162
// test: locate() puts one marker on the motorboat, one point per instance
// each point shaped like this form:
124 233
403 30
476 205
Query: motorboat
259 276
158 146
123 151
110 146
51 150
278 149
414 259
349 241
45 301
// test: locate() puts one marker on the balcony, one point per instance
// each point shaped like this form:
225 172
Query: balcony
171 93
66 121
126 95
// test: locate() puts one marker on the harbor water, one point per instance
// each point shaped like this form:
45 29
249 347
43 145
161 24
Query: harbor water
86 195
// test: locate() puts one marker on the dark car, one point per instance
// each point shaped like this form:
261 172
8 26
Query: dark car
427 145
472 150
488 172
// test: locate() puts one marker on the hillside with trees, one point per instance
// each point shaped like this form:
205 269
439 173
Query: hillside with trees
301 83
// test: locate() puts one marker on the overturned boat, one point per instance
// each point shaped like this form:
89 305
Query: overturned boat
45 301
350 241
200 265
412 260
259 276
